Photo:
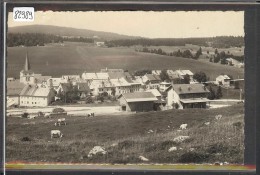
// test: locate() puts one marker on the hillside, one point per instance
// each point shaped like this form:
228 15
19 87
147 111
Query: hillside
126 137
67 31
75 58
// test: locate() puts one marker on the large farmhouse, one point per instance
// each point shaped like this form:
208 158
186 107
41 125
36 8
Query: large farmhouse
137 101
34 95
183 96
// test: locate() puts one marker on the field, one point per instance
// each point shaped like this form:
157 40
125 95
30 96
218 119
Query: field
75 58
125 138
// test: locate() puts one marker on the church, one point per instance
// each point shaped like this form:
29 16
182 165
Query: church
35 92
27 75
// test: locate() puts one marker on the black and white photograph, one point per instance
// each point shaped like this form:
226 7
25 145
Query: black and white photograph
125 87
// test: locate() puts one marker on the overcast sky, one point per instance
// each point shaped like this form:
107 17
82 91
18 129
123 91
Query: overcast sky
146 24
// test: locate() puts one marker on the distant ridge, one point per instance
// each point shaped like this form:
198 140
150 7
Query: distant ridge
68 31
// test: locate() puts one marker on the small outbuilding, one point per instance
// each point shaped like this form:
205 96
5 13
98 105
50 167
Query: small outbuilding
137 101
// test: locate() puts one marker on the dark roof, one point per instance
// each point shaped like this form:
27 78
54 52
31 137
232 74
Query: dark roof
189 88
152 77
138 96
40 78
115 75
35 91
83 87
174 76
14 88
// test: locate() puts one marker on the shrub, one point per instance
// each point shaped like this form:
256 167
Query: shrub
25 115
126 144
193 157
176 105
238 125
25 139
58 110
89 100
217 148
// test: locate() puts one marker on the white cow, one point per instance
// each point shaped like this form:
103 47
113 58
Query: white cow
47 115
61 121
56 134
91 114
32 116
143 158
218 117
183 126
207 123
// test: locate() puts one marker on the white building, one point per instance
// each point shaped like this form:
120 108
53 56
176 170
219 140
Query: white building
34 95
66 78
125 85
151 81
183 96
223 80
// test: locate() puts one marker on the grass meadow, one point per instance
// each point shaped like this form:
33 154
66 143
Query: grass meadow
126 137
75 58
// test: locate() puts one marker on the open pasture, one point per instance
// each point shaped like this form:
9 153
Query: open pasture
75 58
127 137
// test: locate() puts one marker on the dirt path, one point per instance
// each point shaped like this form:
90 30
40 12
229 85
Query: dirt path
71 110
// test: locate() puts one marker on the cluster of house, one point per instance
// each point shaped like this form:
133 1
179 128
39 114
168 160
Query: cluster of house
135 93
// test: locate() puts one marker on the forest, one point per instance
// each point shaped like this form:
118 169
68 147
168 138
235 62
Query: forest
216 42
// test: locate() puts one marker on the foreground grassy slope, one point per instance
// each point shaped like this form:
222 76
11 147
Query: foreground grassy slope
75 58
126 137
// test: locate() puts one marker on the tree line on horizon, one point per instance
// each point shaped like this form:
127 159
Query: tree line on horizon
216 42
40 39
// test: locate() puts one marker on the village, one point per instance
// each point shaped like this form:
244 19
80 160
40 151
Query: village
35 93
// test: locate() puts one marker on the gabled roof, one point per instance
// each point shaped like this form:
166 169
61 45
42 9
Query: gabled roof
35 91
184 72
173 76
138 97
40 78
188 88
224 77
116 75
95 76
14 88
112 70
155 92
153 77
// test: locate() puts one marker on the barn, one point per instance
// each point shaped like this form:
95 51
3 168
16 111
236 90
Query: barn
137 101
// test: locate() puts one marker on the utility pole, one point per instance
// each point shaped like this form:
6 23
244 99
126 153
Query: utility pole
240 95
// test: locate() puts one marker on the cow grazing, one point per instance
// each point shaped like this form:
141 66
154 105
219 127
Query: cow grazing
143 158
206 123
61 121
47 115
183 126
218 117
56 134
91 114
32 116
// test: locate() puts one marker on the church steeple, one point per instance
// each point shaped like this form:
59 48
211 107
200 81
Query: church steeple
27 65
